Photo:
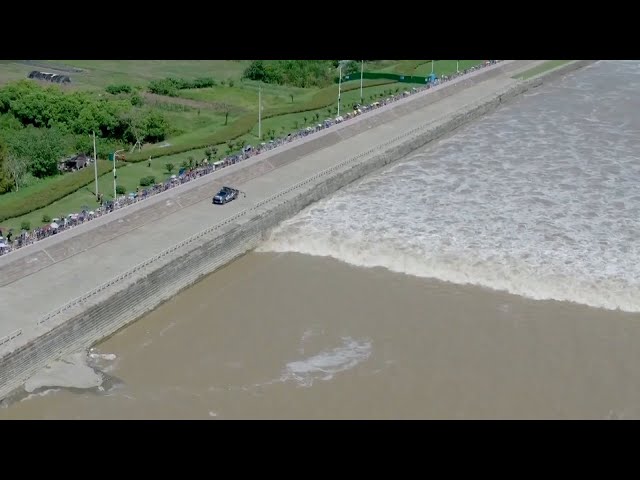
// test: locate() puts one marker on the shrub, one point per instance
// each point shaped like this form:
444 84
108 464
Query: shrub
146 181
137 100
169 167
46 218
120 190
26 200
169 86
119 88
25 225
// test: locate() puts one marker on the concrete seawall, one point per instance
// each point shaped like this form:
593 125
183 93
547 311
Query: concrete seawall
125 298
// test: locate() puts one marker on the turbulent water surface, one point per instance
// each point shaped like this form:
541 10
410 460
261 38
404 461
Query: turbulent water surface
540 199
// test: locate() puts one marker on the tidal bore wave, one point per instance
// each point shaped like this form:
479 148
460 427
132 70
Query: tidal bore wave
540 199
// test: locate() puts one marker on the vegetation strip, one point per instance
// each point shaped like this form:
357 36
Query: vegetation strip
40 122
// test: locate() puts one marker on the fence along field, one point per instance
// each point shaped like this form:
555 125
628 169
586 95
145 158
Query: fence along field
223 115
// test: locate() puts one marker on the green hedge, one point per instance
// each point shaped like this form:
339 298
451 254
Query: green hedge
391 77
42 195
243 124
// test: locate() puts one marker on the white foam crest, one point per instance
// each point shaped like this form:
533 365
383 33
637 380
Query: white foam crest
540 199
105 362
102 356
326 364
42 393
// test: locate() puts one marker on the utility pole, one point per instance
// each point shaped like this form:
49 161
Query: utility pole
339 87
115 156
95 162
361 80
260 112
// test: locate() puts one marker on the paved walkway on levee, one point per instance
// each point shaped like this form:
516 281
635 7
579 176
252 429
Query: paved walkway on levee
41 277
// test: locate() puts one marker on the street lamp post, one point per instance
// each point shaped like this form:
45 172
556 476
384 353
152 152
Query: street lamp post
260 112
361 81
339 86
95 162
115 156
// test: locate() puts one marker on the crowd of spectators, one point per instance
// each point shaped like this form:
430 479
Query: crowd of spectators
10 242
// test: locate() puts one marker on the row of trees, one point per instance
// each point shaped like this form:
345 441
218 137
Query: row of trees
39 126
296 73
81 113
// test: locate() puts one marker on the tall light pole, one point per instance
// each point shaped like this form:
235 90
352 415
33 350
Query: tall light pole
361 80
95 162
339 86
432 66
457 66
260 112
115 156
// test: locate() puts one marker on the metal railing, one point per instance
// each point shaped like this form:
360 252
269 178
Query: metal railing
11 336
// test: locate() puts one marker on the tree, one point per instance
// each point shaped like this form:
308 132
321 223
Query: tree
46 218
169 167
297 73
16 167
351 67
136 123
210 152
226 115
256 71
305 120
156 126
291 95
43 146
230 82
229 146
25 225
120 190
5 178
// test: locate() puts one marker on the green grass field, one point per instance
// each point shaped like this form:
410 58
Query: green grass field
543 67
244 95
198 117
444 67
98 74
